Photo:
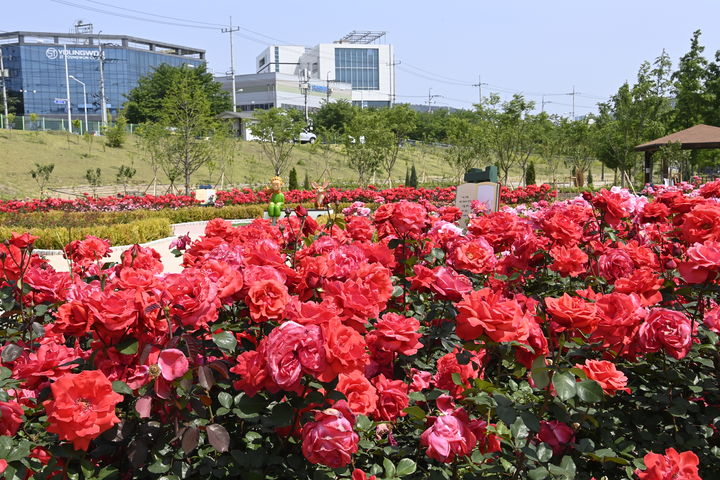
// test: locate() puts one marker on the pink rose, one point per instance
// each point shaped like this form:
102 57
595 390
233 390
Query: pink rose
330 440
10 418
293 349
703 262
449 434
173 364
666 330
392 398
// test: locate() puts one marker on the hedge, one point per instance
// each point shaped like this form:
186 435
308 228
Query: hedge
138 231
76 220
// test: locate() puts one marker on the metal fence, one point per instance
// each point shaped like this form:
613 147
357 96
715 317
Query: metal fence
43 124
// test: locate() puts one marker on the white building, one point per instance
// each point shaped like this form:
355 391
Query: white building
355 68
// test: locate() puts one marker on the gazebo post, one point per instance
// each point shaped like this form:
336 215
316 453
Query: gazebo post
648 166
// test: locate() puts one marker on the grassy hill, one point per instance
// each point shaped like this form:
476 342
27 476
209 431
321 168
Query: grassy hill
73 155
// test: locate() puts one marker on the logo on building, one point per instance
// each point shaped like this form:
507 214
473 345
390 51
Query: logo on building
72 54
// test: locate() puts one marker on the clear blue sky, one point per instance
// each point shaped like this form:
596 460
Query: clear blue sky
528 46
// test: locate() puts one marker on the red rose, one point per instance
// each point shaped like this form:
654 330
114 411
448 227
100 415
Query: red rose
712 319
474 255
10 418
603 372
361 395
344 349
703 262
395 333
568 260
72 319
643 282
620 316
252 371
486 313
572 313
557 435
682 466
293 349
48 362
82 407
142 258
330 440
449 364
667 330
194 298
113 313
702 224
22 241
392 398
615 263
267 300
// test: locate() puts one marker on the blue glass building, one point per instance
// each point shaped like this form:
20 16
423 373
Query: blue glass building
35 68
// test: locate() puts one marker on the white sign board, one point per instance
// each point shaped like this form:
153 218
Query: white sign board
485 192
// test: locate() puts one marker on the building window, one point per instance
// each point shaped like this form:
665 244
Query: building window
277 59
358 67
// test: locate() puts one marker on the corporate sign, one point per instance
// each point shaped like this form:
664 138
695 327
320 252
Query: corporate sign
53 53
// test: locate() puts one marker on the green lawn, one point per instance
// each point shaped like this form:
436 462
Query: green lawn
73 155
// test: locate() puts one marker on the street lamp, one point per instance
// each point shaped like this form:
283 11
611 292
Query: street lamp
84 100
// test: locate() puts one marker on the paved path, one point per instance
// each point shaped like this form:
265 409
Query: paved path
171 263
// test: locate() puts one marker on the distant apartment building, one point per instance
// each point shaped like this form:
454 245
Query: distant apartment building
357 68
36 73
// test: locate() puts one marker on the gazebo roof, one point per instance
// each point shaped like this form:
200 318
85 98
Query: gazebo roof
693 138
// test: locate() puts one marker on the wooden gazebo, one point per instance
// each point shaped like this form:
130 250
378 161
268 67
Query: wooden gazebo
694 138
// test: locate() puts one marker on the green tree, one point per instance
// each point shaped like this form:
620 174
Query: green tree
578 148
41 174
189 122
94 178
116 135
306 182
146 102
277 130
293 180
368 143
151 138
530 174
468 145
400 120
124 175
330 120
226 147
689 86
413 177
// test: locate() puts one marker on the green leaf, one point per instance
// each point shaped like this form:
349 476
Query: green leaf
519 431
389 468
363 422
457 379
589 391
225 399
11 352
406 466
564 384
121 387
397 291
158 467
544 453
540 373
6 444
540 473
128 347
415 412
226 341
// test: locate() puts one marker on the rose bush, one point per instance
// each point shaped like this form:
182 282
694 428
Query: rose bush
576 339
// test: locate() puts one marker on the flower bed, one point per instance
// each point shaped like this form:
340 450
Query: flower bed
248 196
572 340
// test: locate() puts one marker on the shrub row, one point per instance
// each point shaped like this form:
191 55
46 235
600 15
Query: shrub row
138 231
76 220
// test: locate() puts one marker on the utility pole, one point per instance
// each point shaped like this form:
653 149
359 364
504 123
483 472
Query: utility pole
304 85
479 84
67 89
573 93
4 90
392 64
101 59
430 99
232 61
543 103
